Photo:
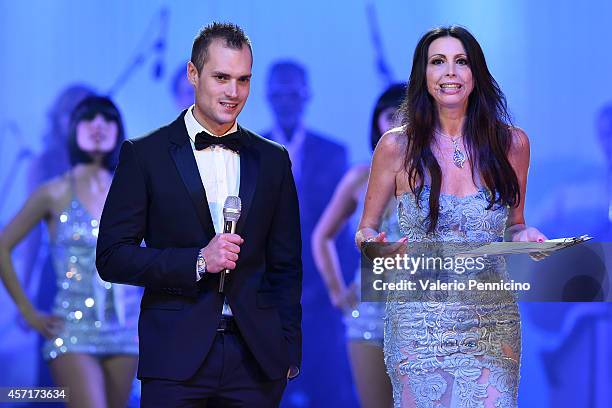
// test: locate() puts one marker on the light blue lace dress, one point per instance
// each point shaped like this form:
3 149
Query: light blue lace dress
465 351
100 318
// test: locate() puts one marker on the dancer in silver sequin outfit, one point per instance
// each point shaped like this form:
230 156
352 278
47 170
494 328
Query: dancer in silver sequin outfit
91 335
363 320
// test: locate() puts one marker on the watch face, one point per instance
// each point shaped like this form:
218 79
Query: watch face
201 265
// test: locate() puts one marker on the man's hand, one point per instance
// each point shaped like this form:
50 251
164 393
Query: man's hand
292 372
222 252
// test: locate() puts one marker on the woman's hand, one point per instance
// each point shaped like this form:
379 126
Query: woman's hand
531 234
381 237
47 325
345 299
384 248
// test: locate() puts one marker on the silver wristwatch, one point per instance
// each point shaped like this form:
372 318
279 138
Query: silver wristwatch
201 265
367 241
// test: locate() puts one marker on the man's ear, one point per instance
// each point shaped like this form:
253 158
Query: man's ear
192 73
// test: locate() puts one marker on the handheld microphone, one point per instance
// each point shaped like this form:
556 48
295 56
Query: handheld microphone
231 213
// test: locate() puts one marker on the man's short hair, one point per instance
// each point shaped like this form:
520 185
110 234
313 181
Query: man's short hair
232 34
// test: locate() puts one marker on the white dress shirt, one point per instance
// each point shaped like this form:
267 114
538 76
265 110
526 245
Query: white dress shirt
219 170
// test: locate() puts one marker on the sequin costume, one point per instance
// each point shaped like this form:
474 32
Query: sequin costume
466 350
365 321
100 318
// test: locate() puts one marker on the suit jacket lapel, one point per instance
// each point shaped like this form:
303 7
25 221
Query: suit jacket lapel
249 169
182 153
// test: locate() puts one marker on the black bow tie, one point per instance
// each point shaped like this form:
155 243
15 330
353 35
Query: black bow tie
231 141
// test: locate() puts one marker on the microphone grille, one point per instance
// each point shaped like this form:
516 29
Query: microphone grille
232 208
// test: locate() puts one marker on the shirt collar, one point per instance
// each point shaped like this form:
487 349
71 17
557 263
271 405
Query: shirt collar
194 127
297 140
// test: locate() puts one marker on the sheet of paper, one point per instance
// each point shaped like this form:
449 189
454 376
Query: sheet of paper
508 248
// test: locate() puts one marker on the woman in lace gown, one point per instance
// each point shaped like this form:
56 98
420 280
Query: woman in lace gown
91 336
459 171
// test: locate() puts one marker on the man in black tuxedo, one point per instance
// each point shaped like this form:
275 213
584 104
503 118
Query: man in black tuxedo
318 165
199 347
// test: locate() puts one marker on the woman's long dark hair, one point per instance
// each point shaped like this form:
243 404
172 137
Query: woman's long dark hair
392 97
487 129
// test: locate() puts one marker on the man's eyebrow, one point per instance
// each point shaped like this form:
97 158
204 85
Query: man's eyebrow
221 73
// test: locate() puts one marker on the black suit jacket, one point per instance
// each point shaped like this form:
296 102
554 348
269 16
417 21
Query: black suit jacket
157 195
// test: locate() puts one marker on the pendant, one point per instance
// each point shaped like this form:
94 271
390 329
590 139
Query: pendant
458 155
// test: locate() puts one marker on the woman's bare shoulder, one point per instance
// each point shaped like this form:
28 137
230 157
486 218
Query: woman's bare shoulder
55 189
392 144
520 142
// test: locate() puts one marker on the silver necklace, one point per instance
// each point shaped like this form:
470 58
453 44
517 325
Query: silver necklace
458 155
